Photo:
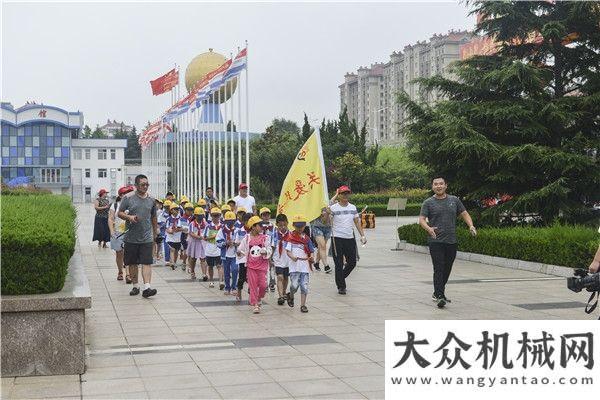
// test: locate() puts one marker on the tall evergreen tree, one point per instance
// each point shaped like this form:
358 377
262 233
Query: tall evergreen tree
525 120
133 150
87 132
307 130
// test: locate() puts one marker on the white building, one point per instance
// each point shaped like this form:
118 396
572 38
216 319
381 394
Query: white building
370 94
112 127
96 164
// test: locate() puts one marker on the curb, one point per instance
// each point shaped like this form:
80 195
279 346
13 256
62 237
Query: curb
541 268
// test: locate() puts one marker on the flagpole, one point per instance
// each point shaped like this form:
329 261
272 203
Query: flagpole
231 138
214 153
226 173
247 125
239 132
220 167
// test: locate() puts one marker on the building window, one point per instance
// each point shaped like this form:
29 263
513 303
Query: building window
88 173
113 173
101 154
113 154
87 154
102 173
50 175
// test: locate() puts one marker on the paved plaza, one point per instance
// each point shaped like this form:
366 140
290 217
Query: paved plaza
191 341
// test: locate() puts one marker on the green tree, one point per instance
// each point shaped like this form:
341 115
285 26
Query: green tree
133 150
523 121
307 130
120 134
98 134
349 169
87 132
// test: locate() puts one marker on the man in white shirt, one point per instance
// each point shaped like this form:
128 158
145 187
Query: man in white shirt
344 218
244 199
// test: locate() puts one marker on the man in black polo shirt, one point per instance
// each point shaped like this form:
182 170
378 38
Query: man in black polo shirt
438 217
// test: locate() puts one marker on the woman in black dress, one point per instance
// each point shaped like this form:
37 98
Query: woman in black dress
101 231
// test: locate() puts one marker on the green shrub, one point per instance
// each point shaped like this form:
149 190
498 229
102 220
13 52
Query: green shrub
38 239
380 210
566 245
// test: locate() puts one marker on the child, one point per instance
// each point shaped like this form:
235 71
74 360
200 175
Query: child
239 213
164 215
231 204
173 234
299 249
186 218
268 228
226 243
240 259
195 248
257 248
213 253
280 257
161 231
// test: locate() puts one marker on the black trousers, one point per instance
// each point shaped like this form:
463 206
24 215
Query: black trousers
442 257
343 249
241 276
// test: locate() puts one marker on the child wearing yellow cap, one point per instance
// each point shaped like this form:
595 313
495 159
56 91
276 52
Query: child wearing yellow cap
225 242
173 229
212 251
195 248
299 249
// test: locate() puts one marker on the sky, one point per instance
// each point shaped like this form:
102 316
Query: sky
98 58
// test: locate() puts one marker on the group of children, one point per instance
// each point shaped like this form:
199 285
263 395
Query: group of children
242 248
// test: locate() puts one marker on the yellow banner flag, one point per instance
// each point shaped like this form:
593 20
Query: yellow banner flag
304 190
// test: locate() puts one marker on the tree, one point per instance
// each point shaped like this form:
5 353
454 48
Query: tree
98 134
133 150
229 126
523 121
307 130
87 132
120 134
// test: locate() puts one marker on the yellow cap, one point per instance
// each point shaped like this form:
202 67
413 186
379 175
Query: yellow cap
240 209
252 221
198 211
215 210
201 202
167 203
299 218
173 206
229 216
188 205
225 207
265 210
183 198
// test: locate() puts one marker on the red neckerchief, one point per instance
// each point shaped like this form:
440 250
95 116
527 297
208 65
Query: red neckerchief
294 237
227 232
175 221
267 228
280 237
197 225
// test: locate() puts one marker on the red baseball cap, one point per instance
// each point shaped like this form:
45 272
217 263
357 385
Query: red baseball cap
243 186
102 191
124 190
343 189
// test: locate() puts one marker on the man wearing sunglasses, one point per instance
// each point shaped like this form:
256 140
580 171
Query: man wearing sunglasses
138 209
344 218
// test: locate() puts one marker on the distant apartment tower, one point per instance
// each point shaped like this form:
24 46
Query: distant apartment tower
370 94
112 127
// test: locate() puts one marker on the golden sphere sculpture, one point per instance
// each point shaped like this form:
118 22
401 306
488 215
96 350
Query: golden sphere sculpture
200 66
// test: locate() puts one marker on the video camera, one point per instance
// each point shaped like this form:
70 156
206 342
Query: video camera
590 282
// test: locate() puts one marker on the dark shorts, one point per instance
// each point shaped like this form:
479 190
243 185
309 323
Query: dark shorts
184 244
285 271
138 253
175 245
213 261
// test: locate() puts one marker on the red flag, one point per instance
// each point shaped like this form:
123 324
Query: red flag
165 83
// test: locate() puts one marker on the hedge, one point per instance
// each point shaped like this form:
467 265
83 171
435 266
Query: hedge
570 246
380 210
38 239
413 196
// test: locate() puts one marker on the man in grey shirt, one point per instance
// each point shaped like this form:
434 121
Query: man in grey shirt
438 217
138 209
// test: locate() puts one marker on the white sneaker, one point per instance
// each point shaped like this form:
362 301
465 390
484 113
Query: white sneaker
211 285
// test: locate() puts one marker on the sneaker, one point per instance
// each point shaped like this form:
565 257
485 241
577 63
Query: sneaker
204 278
134 292
280 301
211 285
327 269
256 310
272 287
441 303
290 300
434 297
304 309
148 292
318 269
342 291
447 300
221 286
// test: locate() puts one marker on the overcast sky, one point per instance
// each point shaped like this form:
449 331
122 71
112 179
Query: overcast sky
98 58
